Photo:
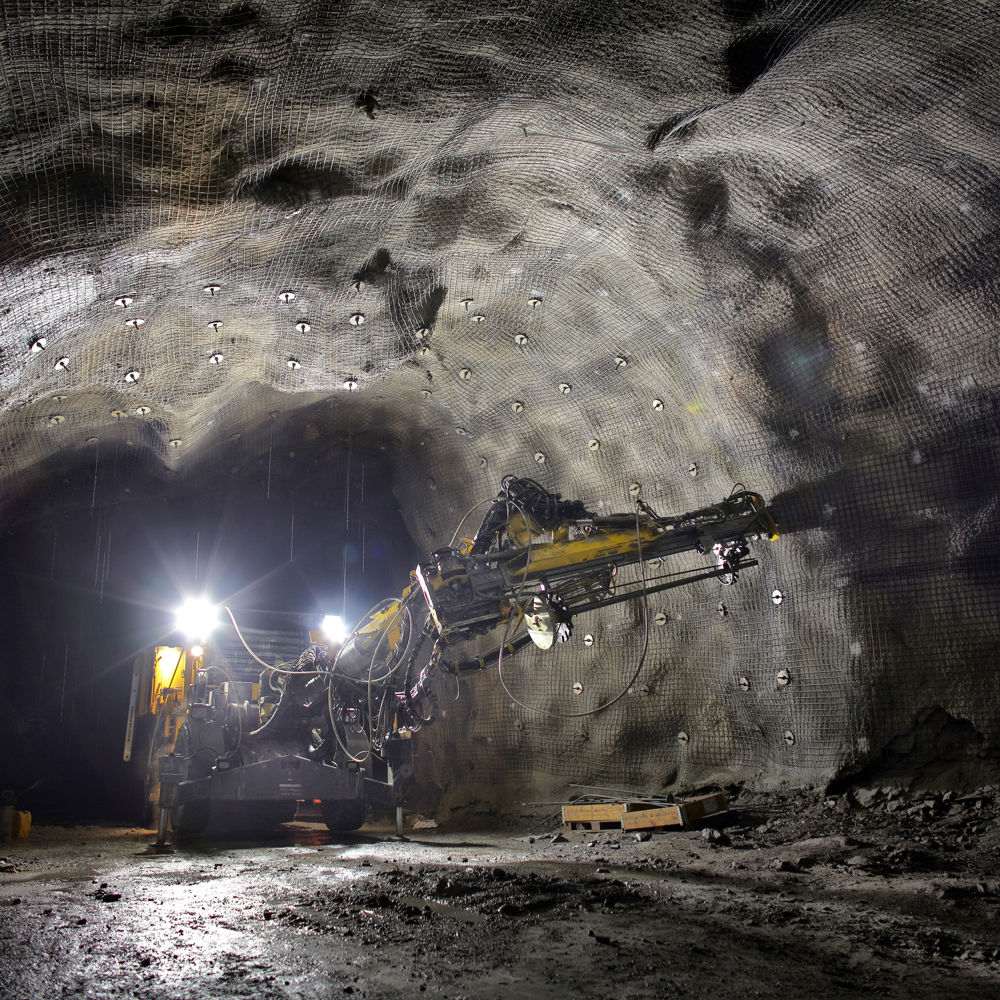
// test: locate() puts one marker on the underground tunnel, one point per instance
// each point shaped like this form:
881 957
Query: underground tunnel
578 423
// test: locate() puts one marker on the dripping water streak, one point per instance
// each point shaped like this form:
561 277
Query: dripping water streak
41 684
62 696
291 540
343 604
362 522
347 481
97 462
72 707
97 560
107 563
270 448
197 553
347 512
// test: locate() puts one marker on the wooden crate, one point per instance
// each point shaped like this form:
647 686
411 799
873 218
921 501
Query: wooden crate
681 814
651 819
634 816
701 808
595 816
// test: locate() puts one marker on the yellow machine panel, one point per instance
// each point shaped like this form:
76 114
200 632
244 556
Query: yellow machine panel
168 674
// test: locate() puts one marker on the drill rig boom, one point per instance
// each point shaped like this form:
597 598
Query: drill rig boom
536 560
570 562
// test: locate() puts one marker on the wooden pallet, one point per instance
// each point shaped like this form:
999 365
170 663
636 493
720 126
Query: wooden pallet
595 816
653 819
642 816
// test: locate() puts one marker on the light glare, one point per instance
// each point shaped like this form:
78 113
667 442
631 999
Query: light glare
196 618
334 628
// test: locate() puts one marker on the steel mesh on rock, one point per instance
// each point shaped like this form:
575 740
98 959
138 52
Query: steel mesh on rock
777 224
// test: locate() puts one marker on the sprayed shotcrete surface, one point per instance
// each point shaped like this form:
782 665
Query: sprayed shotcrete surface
724 241
797 896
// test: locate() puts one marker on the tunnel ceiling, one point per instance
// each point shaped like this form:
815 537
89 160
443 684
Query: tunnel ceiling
677 245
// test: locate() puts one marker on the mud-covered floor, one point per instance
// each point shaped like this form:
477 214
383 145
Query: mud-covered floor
879 892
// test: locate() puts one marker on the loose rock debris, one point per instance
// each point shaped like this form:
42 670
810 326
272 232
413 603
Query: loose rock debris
898 897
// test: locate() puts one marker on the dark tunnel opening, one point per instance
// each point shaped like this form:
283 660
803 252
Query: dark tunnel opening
291 532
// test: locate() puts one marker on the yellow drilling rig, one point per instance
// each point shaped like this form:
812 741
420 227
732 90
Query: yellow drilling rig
333 723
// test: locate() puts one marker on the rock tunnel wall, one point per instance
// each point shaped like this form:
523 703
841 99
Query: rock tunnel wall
679 245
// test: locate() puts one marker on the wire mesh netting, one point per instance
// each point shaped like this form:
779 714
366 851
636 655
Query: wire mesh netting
679 245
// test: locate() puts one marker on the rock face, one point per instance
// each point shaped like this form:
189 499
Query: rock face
731 241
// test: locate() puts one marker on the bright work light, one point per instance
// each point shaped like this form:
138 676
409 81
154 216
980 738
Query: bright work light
196 618
334 628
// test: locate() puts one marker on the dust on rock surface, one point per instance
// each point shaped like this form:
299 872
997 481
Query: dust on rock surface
877 890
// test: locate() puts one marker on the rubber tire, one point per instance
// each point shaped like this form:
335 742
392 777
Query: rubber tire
342 815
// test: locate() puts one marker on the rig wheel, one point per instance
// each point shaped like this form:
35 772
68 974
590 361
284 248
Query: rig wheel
341 815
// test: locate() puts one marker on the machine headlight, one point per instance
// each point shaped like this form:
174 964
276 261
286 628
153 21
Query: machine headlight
334 628
196 618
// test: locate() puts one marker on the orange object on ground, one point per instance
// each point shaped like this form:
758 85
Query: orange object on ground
20 825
